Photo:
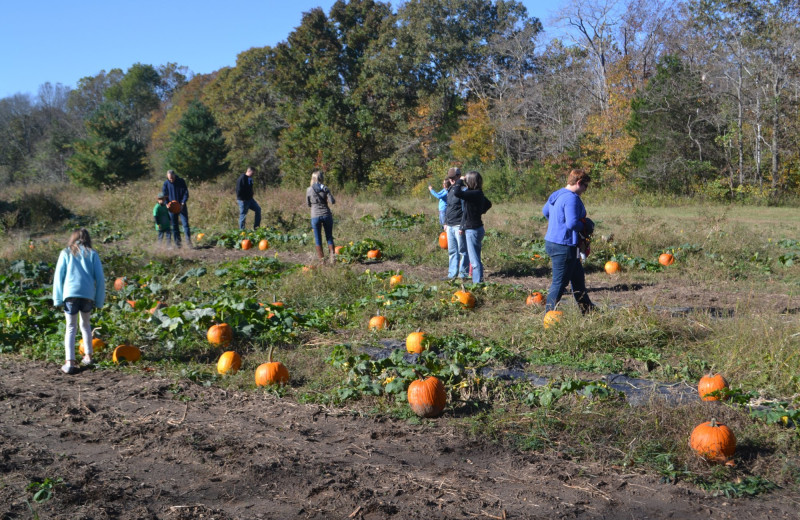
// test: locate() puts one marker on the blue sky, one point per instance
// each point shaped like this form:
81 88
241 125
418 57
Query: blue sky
60 41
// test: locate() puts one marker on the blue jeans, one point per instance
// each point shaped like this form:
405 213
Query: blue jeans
176 231
164 236
567 269
244 206
474 239
457 253
441 217
317 224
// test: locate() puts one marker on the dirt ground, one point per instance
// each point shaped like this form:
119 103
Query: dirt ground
137 446
127 448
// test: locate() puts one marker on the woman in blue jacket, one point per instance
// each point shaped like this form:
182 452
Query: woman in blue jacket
79 285
566 220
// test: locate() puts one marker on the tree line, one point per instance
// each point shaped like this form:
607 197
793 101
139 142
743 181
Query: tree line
672 97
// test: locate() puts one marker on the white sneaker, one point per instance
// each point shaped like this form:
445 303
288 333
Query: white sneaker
87 361
69 369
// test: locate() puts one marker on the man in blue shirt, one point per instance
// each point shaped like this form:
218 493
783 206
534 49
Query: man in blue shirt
175 190
244 196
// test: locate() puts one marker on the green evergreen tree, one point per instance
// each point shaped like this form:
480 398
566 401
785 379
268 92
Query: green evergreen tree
198 149
109 156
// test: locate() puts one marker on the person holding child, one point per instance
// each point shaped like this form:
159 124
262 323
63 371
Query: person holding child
475 205
317 197
78 285
162 219
442 196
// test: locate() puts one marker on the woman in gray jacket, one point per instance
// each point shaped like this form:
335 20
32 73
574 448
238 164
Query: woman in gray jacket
317 196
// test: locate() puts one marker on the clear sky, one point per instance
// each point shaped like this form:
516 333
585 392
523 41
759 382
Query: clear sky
62 41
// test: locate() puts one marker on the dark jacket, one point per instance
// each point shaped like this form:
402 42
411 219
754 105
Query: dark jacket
453 212
244 188
176 190
475 205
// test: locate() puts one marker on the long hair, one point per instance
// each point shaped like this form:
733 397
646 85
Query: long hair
79 238
473 180
317 177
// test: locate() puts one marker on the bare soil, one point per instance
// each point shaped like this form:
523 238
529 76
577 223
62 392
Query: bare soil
127 448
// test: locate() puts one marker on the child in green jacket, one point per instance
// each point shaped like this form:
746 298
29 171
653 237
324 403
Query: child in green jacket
161 217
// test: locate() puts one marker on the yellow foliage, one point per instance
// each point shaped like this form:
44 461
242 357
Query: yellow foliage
475 138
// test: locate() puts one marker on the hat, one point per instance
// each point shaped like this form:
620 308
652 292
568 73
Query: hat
454 173
161 196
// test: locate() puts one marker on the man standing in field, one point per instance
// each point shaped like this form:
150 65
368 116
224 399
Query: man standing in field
176 191
244 196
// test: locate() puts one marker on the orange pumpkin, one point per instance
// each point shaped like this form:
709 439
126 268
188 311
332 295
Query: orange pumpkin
271 372
127 353
465 298
229 363
395 280
612 267
337 250
443 240
174 206
119 284
416 342
247 244
220 334
713 441
308 268
427 397
535 298
199 237
374 254
551 318
97 345
666 259
132 303
273 304
378 322
263 245
711 383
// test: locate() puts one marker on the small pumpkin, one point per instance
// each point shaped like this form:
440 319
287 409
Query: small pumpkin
174 206
127 353
337 250
247 244
416 342
220 334
713 441
229 363
97 345
132 303
465 298
443 240
158 305
308 268
396 280
271 372
199 237
119 284
711 383
263 245
378 322
666 259
374 254
535 298
427 397
612 267
273 305
551 318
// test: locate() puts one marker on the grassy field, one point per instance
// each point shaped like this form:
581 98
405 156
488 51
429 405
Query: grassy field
729 304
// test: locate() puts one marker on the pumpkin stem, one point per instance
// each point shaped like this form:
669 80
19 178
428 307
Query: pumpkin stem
269 356
713 422
95 330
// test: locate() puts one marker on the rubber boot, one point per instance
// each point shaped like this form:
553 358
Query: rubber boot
332 253
320 254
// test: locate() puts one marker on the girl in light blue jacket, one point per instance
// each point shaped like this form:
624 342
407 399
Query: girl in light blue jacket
79 285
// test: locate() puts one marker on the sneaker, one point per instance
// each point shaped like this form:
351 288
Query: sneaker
87 361
69 369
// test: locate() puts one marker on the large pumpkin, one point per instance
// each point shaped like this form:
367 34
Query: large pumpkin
247 244
174 206
395 280
127 353
465 298
427 397
374 254
713 441
535 298
97 345
263 245
551 318
416 342
612 267
220 334
443 240
119 284
271 372
666 259
378 322
711 383
229 362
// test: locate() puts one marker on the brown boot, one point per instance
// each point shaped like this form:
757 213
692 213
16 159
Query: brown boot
320 254
332 253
